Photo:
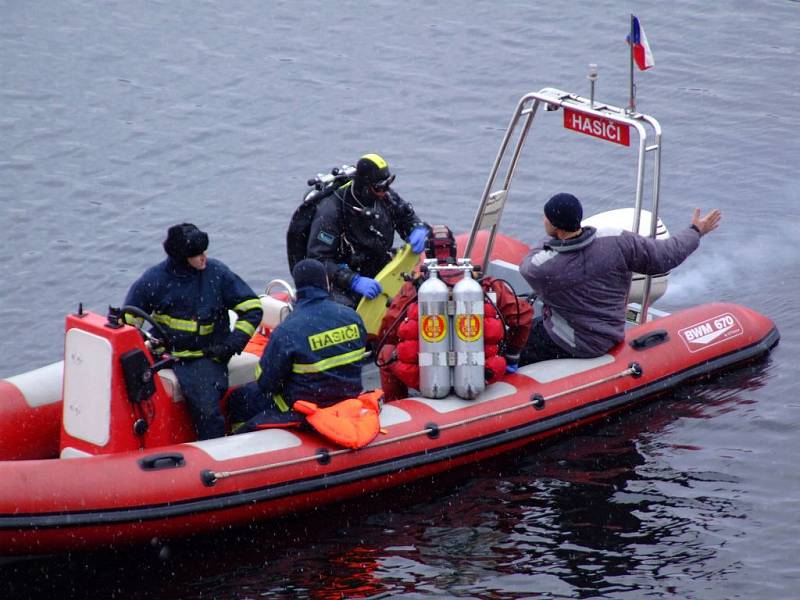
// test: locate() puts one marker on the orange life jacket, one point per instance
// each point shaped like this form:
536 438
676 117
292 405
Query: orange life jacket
352 423
258 342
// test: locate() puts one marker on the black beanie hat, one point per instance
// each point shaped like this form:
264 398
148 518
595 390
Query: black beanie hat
564 211
310 272
185 240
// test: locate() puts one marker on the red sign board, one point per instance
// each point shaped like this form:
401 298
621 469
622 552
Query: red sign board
598 127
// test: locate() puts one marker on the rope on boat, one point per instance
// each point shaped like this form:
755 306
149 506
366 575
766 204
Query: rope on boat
323 456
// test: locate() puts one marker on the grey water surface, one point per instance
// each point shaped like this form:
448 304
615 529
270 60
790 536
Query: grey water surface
120 118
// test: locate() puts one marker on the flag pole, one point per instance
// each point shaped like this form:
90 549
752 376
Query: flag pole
632 102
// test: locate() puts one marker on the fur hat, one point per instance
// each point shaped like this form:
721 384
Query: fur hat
185 240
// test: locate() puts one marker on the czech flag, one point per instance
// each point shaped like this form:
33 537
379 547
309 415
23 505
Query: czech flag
641 49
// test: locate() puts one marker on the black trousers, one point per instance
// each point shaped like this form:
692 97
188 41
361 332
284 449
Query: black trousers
249 408
540 346
204 382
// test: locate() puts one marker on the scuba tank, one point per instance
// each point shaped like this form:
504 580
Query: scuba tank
469 378
327 183
434 342
322 186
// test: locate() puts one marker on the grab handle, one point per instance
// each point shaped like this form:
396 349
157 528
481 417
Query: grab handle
648 340
156 462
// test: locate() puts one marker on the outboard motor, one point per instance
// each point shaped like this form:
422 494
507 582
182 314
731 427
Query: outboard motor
468 377
434 337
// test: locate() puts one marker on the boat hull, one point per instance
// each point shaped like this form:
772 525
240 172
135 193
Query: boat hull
32 403
167 492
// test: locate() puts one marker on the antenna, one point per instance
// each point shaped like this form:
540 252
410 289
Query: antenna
592 77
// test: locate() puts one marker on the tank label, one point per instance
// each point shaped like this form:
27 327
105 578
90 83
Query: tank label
432 328
469 327
710 332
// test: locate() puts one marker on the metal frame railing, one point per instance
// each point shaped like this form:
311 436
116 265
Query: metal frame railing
493 199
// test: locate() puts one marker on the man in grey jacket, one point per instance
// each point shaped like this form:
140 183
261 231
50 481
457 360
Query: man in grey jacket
583 279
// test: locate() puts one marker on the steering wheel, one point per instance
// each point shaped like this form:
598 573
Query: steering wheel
153 342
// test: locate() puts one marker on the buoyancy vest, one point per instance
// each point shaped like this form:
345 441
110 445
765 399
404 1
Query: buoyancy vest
258 342
300 224
516 313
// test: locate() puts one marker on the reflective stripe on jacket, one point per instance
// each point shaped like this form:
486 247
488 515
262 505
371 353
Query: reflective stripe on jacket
192 306
316 353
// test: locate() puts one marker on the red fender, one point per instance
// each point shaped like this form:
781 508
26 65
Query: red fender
408 352
493 331
407 373
495 368
408 330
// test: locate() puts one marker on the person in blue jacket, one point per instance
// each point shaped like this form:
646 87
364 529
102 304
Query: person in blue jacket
189 295
353 230
316 354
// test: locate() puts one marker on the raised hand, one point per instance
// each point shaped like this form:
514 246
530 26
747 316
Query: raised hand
707 223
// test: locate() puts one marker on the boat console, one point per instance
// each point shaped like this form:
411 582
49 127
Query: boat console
113 399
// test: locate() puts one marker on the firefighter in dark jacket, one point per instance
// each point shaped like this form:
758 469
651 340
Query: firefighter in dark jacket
189 295
315 354
353 230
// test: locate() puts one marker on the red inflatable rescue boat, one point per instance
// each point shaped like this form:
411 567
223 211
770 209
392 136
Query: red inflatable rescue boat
98 451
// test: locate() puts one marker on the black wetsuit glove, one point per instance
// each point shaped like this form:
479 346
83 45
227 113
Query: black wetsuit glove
221 353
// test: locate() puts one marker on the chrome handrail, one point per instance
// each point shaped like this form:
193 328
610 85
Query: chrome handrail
285 284
493 200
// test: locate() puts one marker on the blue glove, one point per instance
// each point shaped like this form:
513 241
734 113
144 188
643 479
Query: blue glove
417 239
512 368
366 286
